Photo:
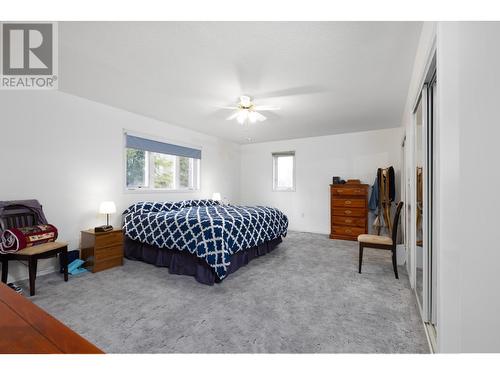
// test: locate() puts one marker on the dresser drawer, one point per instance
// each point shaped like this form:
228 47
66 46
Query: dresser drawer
352 212
342 202
108 239
348 190
108 252
349 221
347 231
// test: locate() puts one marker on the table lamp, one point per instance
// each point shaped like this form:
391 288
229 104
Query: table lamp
107 208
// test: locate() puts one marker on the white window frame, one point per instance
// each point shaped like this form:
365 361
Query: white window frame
275 157
195 169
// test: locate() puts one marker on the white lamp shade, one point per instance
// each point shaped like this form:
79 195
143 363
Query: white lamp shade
107 207
216 196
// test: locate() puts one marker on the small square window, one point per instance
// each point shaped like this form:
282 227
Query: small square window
284 171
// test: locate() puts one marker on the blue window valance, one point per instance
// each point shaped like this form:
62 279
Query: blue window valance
145 144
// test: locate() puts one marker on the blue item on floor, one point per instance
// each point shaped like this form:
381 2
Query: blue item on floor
78 271
75 267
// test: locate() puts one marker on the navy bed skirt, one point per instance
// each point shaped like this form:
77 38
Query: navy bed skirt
184 263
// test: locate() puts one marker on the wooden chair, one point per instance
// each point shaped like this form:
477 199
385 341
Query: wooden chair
19 216
382 242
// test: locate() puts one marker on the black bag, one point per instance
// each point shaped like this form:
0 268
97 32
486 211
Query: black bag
72 255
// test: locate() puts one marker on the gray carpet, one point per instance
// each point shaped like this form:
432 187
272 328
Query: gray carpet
304 297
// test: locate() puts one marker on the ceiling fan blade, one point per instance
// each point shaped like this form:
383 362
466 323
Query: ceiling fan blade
233 116
270 115
266 108
260 117
218 113
292 91
226 107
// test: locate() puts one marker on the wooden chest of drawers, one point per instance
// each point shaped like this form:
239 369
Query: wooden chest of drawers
101 251
349 211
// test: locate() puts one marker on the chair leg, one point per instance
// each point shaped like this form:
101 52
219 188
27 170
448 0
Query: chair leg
32 265
394 264
360 256
5 270
64 258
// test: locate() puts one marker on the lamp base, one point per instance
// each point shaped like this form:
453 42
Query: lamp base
103 228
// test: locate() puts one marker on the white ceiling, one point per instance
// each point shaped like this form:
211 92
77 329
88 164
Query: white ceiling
346 76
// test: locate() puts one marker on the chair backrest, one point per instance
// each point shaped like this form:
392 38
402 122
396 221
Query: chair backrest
17 216
395 223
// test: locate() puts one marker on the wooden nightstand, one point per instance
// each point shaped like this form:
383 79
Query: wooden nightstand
101 251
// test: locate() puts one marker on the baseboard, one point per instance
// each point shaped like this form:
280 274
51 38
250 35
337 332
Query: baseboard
431 342
308 231
430 332
18 270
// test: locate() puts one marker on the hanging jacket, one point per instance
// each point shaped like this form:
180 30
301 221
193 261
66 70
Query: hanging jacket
374 197
392 184
373 203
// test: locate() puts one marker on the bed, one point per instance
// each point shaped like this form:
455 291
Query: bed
201 238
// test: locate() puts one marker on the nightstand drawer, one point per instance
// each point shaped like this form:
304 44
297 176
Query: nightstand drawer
108 239
108 252
108 263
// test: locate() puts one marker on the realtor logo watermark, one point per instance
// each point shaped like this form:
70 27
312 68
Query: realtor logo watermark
28 55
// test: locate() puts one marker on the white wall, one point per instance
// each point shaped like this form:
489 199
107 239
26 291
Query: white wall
469 256
354 155
67 152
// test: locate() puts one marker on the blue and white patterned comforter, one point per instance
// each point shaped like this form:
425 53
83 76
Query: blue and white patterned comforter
205 228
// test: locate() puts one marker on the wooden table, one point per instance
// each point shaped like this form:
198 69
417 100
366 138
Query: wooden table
27 329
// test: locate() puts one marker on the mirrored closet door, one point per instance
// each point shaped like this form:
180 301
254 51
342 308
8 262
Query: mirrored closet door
419 201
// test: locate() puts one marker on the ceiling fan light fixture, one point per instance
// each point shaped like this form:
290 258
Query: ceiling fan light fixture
242 116
233 116
248 112
252 116
245 101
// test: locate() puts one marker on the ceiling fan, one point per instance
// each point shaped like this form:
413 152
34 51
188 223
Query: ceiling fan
246 111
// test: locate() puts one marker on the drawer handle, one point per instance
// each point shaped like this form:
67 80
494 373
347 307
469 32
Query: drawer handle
340 190
357 191
347 202
348 220
348 231
348 212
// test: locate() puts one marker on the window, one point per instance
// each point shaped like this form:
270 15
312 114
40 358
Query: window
160 166
284 171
